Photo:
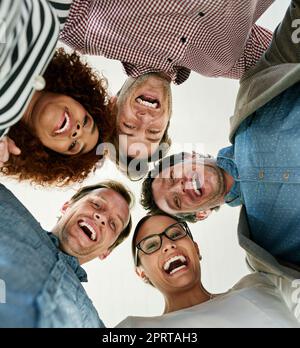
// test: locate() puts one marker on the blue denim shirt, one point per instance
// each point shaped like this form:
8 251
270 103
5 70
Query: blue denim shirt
265 163
43 285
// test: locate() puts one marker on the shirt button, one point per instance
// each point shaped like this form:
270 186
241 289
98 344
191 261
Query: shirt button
201 14
39 83
183 40
261 174
286 176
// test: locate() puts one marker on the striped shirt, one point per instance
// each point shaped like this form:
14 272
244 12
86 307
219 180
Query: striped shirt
29 30
212 37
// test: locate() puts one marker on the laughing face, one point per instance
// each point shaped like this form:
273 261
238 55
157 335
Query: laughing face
175 265
144 109
189 187
92 225
61 124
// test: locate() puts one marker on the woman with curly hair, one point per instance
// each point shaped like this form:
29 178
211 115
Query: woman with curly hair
51 119
62 126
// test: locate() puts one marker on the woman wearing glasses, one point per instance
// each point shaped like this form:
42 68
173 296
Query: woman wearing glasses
167 258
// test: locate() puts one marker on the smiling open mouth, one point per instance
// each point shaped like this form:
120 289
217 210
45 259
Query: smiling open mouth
197 185
175 264
148 102
65 123
88 230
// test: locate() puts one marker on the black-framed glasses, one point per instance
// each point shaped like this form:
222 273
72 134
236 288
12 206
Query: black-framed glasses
152 243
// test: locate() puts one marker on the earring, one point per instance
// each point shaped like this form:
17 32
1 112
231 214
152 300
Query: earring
200 257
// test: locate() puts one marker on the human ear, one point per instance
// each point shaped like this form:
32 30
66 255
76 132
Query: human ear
65 208
198 251
104 255
202 215
141 273
113 100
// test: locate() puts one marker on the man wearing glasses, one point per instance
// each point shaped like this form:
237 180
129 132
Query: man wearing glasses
167 258
259 171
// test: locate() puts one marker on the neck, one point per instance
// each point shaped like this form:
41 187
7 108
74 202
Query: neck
186 298
229 181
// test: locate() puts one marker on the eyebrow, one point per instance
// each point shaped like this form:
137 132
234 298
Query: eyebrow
118 215
94 128
122 221
171 205
84 146
82 150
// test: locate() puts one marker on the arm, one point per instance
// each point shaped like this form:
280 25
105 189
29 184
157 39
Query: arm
285 46
22 61
62 8
16 310
178 75
17 264
7 147
257 43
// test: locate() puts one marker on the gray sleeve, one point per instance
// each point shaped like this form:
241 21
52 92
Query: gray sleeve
285 45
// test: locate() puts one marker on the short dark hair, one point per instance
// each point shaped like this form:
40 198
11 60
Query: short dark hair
147 199
117 187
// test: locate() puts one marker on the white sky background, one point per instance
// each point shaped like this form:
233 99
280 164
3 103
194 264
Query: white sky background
202 108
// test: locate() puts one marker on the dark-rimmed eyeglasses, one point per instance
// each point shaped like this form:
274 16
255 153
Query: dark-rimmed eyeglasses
152 243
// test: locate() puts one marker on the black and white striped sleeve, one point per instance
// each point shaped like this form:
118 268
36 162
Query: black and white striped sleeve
62 9
29 33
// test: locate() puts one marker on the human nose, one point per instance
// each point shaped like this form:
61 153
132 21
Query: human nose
179 186
143 115
167 245
77 132
100 218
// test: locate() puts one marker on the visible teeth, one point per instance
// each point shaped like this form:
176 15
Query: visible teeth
67 118
93 232
196 189
177 269
173 259
147 104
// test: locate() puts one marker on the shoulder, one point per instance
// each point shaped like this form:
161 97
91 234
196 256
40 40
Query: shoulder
61 9
132 322
17 224
9 203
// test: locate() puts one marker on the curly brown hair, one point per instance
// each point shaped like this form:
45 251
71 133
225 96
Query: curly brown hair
66 74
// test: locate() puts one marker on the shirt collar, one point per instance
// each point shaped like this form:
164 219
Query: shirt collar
70 260
225 160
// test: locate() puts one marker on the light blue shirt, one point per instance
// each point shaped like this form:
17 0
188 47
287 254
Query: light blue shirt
43 285
265 163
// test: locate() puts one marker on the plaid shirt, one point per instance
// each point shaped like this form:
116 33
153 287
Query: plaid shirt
212 37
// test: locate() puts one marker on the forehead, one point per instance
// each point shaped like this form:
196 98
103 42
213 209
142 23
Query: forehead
110 196
154 225
141 148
